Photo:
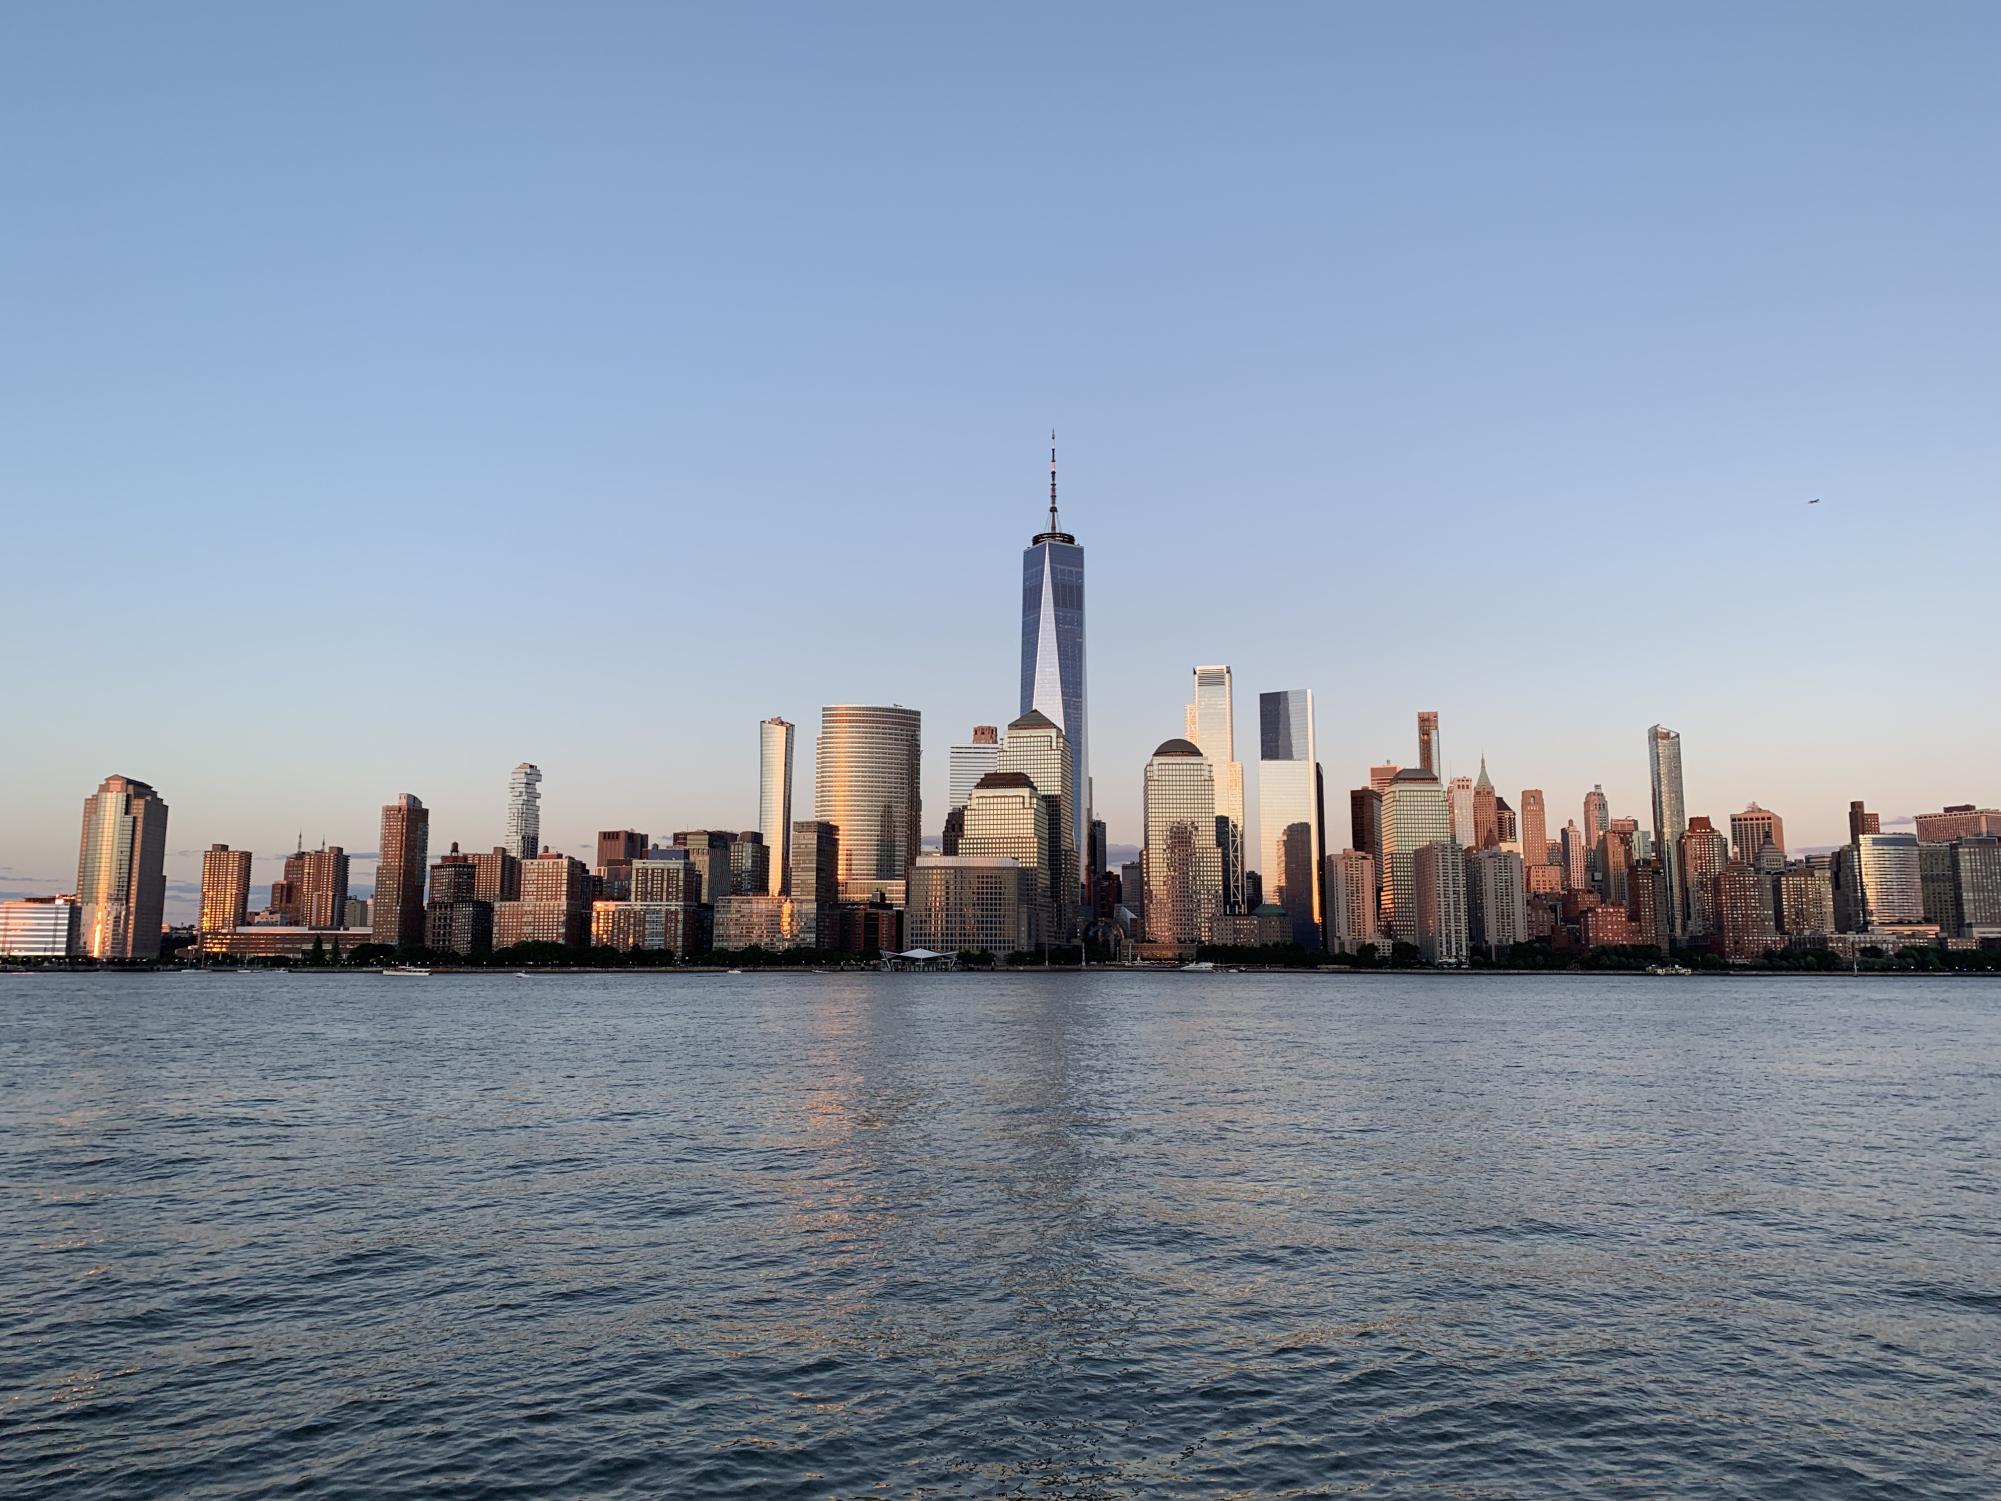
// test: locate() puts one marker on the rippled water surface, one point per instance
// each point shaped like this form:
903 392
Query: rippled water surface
1106 1236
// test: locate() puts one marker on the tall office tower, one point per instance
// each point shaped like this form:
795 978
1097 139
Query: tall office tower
970 762
397 908
1486 818
774 801
1753 829
1861 821
1535 828
1008 816
816 882
42 927
456 921
1576 859
1438 883
1354 905
321 891
709 852
615 845
1212 729
1289 815
1497 900
1935 877
1459 801
1597 815
1805 901
1703 855
1647 903
1615 860
1132 888
1892 882
524 811
355 914
865 770
954 831
1976 885
1052 650
1414 815
1380 776
497 876
1429 757
121 880
1094 867
1670 819
1742 906
1958 821
1365 820
1181 867
1034 747
675 883
554 907
750 865
225 889
1507 829
982 902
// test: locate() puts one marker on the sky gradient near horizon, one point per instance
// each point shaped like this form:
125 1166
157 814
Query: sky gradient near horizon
391 394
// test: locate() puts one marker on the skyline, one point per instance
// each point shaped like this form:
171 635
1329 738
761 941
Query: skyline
1534 328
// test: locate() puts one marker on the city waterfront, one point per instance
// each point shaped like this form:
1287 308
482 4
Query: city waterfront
1102 1235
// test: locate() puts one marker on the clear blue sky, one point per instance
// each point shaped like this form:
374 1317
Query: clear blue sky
392 393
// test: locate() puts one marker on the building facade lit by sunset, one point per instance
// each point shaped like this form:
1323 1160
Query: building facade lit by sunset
1181 867
396 911
1414 815
1211 727
523 838
1670 818
225 889
121 881
1291 838
774 801
866 766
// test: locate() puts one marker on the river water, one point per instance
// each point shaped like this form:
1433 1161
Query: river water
1110 1235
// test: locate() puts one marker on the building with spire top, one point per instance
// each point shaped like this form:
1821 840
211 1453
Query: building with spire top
1052 649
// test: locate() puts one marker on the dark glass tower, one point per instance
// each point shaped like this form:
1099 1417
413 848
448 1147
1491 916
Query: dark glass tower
1052 648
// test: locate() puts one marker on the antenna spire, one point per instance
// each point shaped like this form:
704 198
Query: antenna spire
1052 481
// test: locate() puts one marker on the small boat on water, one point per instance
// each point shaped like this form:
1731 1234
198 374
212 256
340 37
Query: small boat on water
1200 966
405 969
1669 969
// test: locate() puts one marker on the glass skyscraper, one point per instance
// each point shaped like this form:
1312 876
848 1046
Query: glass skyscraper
524 811
1670 818
120 870
865 784
774 802
1289 822
1211 728
1052 649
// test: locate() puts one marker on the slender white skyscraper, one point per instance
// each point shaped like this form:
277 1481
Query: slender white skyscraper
774 801
1052 648
524 812
1670 817
1290 825
1212 728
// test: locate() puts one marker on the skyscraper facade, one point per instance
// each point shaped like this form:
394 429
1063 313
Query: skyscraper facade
1414 815
1430 757
1703 855
121 881
524 812
1459 801
1670 819
1497 901
1892 883
1052 649
865 783
1212 729
1486 815
970 762
816 882
1354 904
1753 829
1034 747
397 908
1289 814
225 889
1438 884
1535 828
1181 868
1008 817
774 801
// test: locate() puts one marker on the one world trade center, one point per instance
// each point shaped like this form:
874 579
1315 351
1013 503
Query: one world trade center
1052 648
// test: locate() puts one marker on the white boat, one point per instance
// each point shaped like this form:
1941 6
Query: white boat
1200 966
406 969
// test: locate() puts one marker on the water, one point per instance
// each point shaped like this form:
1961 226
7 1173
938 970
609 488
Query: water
1109 1236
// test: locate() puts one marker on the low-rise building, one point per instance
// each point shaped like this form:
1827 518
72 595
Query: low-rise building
41 927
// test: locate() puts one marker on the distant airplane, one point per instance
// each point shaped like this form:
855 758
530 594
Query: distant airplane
1815 501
